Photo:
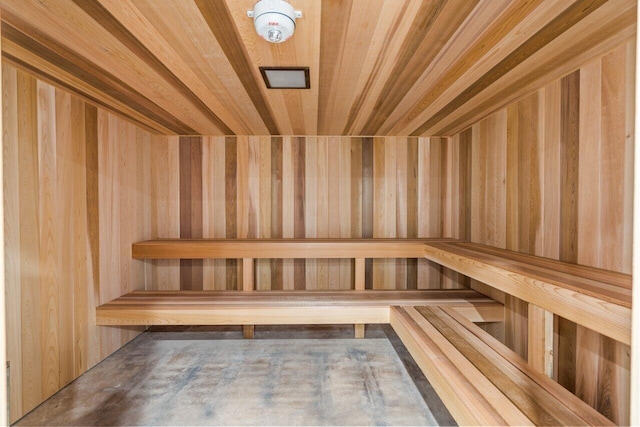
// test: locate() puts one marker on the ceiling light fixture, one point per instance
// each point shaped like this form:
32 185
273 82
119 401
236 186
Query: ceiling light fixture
286 77
275 20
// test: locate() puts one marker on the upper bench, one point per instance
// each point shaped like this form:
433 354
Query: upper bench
597 299
281 248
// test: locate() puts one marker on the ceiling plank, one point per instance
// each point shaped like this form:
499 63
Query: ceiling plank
434 24
556 27
108 21
181 28
131 27
220 21
605 29
491 22
42 46
69 26
381 49
334 19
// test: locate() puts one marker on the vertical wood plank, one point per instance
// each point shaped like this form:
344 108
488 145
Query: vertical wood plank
277 210
11 205
513 169
91 355
367 201
49 274
289 192
552 155
299 154
65 188
357 178
4 383
401 207
335 215
32 390
540 340
231 165
218 150
322 207
570 153
311 207
379 206
412 207
345 270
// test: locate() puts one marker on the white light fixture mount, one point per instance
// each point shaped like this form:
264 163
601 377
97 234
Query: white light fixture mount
275 20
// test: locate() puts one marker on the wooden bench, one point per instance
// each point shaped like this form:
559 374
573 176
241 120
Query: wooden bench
479 379
597 299
282 307
248 250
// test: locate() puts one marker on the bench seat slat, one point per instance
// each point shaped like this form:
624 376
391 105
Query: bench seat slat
591 416
612 290
577 270
280 307
283 248
530 394
451 375
582 302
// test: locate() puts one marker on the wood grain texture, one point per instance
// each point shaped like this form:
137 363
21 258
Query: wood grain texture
573 205
380 68
277 307
64 160
592 306
325 187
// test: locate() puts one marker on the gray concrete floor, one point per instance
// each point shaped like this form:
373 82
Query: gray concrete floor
295 375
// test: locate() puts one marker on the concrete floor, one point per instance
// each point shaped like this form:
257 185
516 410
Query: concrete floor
290 375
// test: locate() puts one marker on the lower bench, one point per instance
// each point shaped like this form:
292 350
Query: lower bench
479 379
282 307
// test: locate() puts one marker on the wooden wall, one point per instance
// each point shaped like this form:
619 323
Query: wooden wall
80 185
552 176
313 187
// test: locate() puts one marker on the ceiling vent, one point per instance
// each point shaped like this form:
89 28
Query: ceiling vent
275 20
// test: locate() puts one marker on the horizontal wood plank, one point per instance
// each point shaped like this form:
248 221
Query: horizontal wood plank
280 248
278 307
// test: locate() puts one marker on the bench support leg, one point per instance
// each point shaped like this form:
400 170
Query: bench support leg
540 336
248 286
359 286
248 331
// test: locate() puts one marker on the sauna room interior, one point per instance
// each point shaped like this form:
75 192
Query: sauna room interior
453 179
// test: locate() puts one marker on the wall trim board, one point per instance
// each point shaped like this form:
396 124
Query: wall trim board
4 401
635 328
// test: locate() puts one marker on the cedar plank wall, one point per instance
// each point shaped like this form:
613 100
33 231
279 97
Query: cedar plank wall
314 187
552 176
80 186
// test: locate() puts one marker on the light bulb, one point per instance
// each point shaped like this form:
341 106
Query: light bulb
274 35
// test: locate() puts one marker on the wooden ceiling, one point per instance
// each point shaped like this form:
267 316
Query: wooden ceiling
378 67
